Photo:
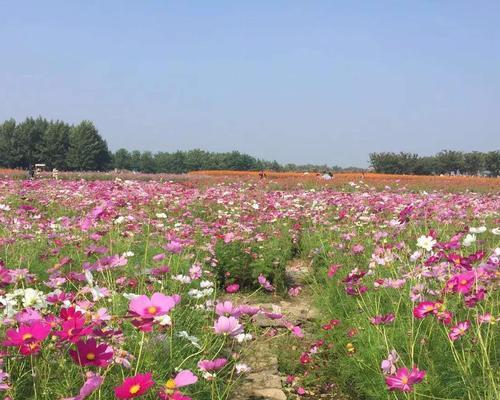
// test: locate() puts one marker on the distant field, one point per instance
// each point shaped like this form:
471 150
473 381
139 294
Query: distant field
290 179
452 183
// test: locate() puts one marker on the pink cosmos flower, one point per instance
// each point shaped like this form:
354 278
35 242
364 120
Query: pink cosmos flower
403 380
382 319
92 383
389 365
183 378
225 308
486 318
28 338
158 305
28 316
233 288
73 329
357 249
423 309
89 353
227 326
294 291
332 270
134 386
174 247
459 330
462 283
245 310
265 283
195 271
212 365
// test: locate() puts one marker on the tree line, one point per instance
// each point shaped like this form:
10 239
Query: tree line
442 163
81 148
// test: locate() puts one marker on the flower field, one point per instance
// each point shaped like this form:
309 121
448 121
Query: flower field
153 289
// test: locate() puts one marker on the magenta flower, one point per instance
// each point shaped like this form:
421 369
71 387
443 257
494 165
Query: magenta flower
459 330
233 288
134 386
382 319
158 305
227 326
424 308
28 338
90 353
462 283
404 380
212 365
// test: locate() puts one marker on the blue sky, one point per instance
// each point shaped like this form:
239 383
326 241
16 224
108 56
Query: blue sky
296 81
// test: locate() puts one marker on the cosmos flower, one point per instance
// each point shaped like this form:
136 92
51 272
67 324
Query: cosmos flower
183 378
212 365
158 305
89 353
459 330
134 386
388 366
403 380
28 338
424 308
227 326
92 383
426 242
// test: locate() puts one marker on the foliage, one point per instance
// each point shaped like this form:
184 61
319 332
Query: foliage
445 162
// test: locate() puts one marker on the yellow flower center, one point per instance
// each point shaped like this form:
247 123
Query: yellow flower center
463 282
152 310
27 336
90 356
404 380
134 389
170 386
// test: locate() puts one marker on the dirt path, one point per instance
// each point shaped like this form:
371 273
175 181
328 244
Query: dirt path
265 380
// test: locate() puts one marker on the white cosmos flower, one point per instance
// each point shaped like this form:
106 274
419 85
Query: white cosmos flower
469 239
34 298
119 220
206 284
426 242
130 296
495 231
89 277
242 368
163 320
183 279
128 254
243 337
161 215
480 229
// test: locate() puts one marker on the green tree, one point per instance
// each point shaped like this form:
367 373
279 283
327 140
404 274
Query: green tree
7 140
492 162
122 159
55 145
473 162
88 151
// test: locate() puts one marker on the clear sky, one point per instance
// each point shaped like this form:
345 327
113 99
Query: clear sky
296 81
